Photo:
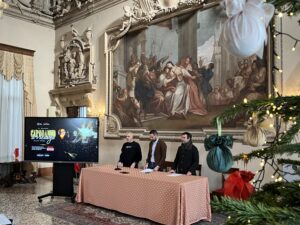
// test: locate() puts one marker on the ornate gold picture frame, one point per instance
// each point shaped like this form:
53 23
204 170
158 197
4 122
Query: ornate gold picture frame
167 71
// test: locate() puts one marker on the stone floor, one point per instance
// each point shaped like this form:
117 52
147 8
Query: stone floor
20 202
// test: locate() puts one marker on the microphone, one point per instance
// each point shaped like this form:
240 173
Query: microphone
117 168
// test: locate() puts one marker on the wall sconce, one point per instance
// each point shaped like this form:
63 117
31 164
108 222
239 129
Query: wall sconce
3 5
96 113
101 113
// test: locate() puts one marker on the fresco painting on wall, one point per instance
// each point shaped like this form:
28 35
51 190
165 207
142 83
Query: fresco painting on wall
174 75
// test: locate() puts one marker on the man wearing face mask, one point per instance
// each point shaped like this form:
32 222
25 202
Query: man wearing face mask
187 157
131 153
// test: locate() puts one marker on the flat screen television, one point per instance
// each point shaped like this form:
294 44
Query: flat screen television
60 139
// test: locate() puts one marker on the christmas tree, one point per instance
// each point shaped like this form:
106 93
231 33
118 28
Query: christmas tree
277 202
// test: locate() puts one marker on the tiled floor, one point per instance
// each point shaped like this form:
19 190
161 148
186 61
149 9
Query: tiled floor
20 202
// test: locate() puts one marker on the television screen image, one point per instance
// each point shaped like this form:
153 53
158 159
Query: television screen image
59 139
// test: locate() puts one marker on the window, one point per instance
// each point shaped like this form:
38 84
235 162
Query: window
11 118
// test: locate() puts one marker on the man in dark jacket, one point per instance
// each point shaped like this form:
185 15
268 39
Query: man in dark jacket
157 152
131 153
187 157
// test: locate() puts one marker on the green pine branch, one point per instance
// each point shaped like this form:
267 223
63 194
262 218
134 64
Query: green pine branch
290 134
278 194
288 161
271 151
245 212
288 6
287 107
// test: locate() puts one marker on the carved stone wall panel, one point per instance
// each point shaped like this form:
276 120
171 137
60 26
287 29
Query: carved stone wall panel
73 96
76 60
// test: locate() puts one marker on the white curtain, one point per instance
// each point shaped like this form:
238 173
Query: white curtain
11 118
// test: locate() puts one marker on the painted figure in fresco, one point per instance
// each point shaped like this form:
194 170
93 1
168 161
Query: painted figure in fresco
227 95
133 68
207 74
167 84
215 98
185 98
179 103
257 85
239 83
196 105
157 104
144 88
258 77
127 108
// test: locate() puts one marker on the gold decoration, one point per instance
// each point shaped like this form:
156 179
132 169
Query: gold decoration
257 129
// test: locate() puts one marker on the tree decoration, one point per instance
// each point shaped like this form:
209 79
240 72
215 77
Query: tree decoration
244 32
245 159
219 157
257 128
237 185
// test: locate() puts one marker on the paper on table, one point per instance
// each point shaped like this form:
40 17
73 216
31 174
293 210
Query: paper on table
147 171
4 220
174 175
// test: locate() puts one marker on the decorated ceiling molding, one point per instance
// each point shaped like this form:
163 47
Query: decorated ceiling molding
57 13
145 12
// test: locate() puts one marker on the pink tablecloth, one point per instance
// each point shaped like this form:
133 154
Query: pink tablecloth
155 196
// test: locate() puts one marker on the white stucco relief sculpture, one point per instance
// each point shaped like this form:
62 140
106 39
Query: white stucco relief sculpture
144 11
76 64
62 7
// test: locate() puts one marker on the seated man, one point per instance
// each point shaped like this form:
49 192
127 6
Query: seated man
187 157
131 153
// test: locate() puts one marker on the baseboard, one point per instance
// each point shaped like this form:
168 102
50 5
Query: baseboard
45 172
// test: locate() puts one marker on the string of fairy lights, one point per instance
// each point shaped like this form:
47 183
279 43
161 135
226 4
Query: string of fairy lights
279 33
278 50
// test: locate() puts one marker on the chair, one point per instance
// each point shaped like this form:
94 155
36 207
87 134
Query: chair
199 167
167 166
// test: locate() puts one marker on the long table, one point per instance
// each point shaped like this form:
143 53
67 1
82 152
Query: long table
178 200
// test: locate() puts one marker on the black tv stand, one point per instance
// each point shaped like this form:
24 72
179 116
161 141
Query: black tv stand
62 182
40 197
